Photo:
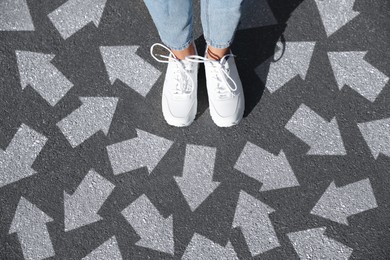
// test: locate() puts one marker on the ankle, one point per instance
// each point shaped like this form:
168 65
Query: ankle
216 53
181 54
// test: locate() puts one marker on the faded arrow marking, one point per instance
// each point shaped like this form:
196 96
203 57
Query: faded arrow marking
75 14
313 244
93 115
351 69
197 184
108 250
81 207
274 171
377 135
36 69
15 16
201 248
323 137
293 62
145 150
30 225
335 13
252 217
337 204
17 159
124 64
156 232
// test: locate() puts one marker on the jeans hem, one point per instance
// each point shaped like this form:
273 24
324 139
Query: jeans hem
181 47
218 45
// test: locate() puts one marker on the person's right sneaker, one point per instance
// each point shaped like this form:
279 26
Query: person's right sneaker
224 88
179 96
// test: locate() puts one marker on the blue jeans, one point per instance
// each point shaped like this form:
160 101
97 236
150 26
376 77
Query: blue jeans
174 22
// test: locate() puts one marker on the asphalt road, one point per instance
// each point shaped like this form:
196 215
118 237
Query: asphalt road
89 169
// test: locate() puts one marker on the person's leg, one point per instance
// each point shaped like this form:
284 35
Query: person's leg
224 88
174 22
219 21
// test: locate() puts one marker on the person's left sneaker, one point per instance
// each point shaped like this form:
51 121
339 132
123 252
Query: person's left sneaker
224 88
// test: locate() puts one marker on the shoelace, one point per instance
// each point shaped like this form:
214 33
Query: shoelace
220 73
181 74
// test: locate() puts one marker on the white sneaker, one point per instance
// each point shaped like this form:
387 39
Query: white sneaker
224 88
179 96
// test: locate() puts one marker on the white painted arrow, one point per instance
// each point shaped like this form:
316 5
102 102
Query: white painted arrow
30 225
15 16
274 171
294 61
351 69
145 150
323 137
377 135
108 250
337 204
17 159
252 217
36 69
124 64
197 184
82 206
313 244
201 248
335 13
93 115
156 232
75 14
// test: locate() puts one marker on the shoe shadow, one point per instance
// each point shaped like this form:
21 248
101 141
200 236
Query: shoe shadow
253 48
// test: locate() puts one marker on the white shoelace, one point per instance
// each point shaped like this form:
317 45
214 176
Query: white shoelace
219 72
181 73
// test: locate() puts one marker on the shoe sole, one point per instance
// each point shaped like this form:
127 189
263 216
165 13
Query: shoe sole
225 122
174 121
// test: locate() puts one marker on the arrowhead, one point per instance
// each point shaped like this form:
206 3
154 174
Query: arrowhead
30 65
81 208
16 161
249 210
273 171
323 137
335 14
104 109
156 232
377 135
108 250
337 204
73 15
124 64
343 63
329 201
289 62
330 142
115 58
98 8
27 215
195 194
201 248
15 16
154 148
313 244
197 181
351 69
